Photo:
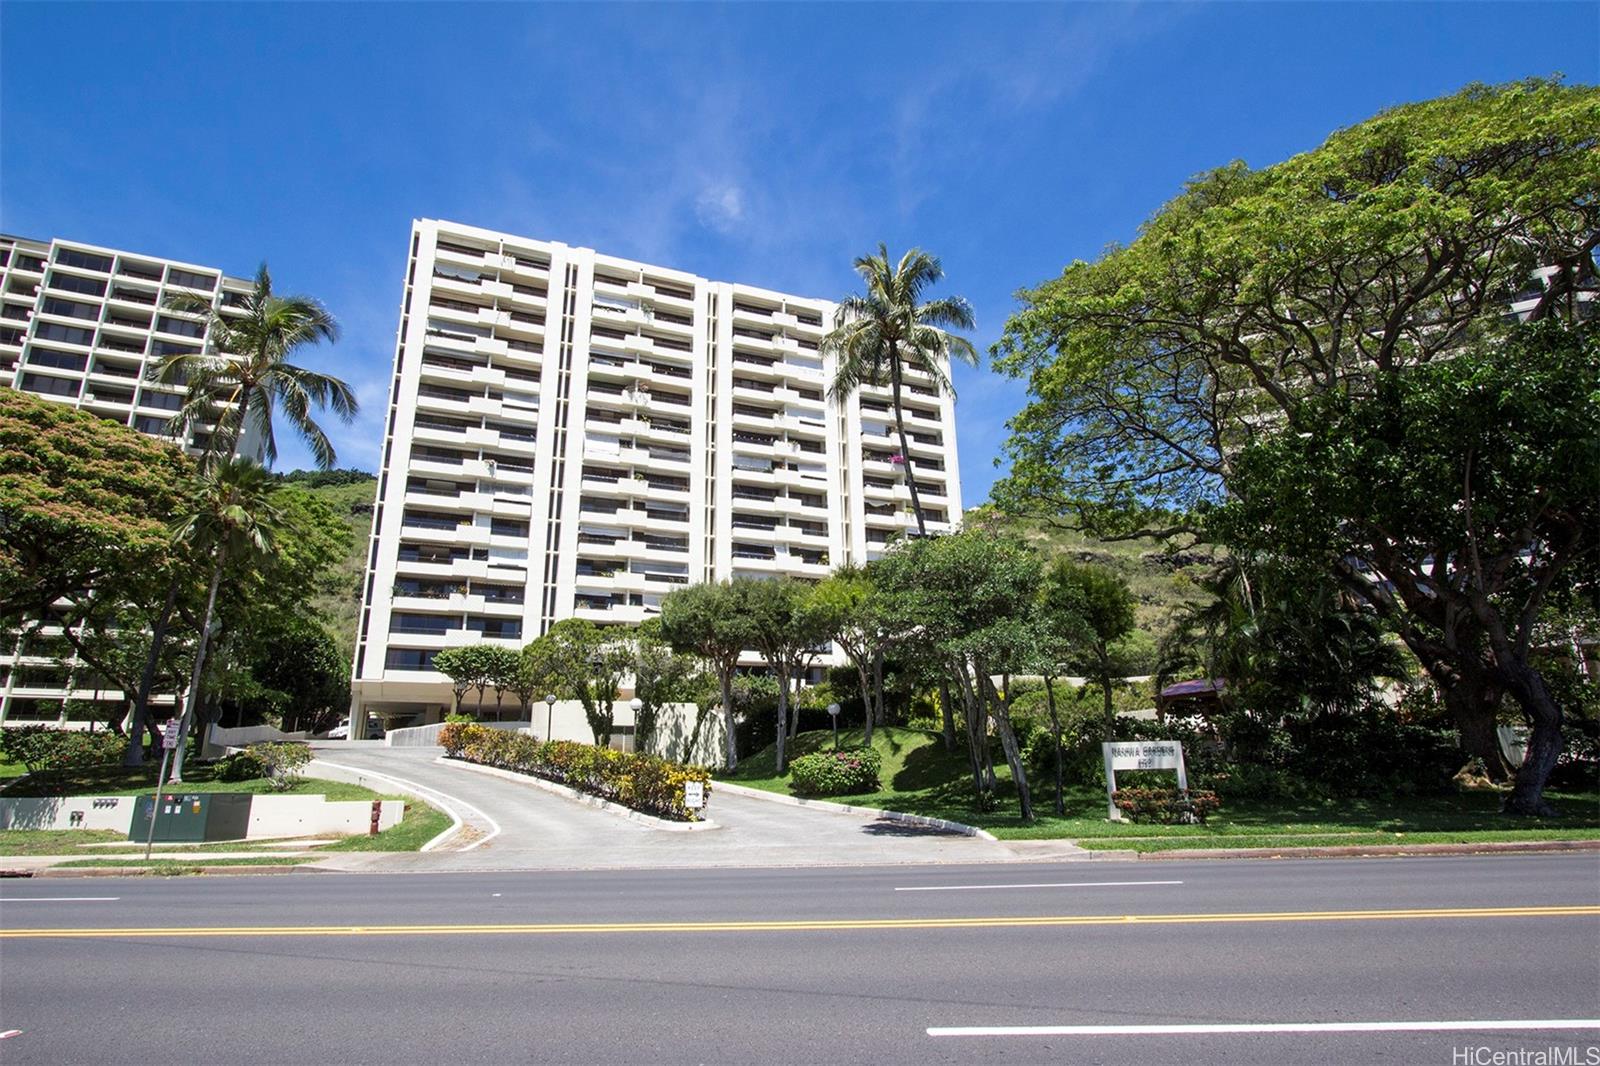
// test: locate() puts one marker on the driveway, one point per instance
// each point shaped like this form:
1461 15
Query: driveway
512 826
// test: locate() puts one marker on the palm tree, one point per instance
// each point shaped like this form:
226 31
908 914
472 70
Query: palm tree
230 516
877 335
246 374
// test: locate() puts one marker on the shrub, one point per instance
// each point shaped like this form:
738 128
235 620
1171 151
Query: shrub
641 782
836 773
240 766
453 737
280 761
1165 805
45 750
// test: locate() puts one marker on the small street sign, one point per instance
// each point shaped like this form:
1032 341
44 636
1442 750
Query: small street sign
169 735
694 795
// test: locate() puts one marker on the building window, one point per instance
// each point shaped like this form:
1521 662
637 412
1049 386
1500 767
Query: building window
83 260
73 283
59 360
55 331
409 659
182 327
190 280
70 309
49 386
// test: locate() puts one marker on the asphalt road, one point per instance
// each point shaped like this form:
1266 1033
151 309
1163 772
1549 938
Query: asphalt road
554 966
514 825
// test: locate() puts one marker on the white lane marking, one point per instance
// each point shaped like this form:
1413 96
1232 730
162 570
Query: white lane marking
58 899
445 801
9 1033
1053 884
1269 1027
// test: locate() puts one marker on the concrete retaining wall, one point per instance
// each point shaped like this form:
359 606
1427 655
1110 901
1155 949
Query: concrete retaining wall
68 812
270 816
219 740
427 736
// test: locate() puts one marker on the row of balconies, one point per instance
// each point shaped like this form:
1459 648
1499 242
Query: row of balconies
517 266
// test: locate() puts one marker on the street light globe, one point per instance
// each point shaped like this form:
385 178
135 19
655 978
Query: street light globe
833 709
550 700
636 703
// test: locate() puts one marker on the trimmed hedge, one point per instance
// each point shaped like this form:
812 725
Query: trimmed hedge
836 773
1165 805
641 782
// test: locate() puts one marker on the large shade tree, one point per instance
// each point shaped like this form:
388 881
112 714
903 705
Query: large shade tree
1455 500
877 335
1400 242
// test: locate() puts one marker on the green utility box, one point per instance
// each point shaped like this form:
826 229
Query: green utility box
192 817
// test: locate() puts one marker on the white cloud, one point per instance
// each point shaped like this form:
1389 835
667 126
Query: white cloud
721 207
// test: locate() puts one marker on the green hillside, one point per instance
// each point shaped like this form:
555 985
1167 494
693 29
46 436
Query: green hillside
1163 577
350 493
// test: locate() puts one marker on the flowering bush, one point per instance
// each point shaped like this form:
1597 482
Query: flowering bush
836 773
1165 805
642 782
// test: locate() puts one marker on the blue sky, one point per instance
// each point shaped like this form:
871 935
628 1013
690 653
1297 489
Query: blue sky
768 143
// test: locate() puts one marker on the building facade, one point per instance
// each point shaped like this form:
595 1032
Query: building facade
83 325
572 434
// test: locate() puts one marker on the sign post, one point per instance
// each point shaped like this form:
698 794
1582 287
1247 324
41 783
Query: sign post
1140 755
171 735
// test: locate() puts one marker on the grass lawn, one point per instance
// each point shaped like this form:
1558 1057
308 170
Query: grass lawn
421 824
9 769
53 841
919 777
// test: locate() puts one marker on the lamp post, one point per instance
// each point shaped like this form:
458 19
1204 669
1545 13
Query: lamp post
549 713
634 705
833 712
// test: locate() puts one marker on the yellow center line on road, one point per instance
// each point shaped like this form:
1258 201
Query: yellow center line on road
821 925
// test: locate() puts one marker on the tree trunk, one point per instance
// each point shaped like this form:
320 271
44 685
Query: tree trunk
1055 733
948 713
969 718
1473 700
1527 686
192 698
1008 743
1109 710
866 700
726 677
134 756
880 715
794 710
905 451
783 721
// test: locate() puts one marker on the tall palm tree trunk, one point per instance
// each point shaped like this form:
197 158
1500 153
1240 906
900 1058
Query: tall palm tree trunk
193 699
905 449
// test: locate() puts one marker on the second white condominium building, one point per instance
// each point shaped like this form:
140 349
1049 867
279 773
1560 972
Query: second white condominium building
571 434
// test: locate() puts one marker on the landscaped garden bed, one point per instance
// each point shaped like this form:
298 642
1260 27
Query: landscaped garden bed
642 783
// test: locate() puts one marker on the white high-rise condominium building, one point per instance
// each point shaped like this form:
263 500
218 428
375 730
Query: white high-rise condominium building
571 434
82 325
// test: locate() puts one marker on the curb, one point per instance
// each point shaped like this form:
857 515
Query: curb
649 821
146 871
1347 851
845 808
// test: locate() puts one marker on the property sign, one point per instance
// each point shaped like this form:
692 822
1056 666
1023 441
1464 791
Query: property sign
1140 755
169 734
694 795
